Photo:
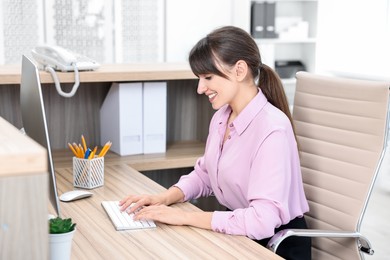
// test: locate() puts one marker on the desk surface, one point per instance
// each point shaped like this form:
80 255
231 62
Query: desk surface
96 237
10 74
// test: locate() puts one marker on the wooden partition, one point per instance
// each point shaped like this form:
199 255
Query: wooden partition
23 196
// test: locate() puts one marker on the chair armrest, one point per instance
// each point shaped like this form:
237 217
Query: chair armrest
363 243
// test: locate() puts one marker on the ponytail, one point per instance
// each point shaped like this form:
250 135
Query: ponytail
272 88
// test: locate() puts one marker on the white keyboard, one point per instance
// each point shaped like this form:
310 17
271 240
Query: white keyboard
122 220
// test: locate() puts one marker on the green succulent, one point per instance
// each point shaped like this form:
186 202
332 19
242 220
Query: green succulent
58 225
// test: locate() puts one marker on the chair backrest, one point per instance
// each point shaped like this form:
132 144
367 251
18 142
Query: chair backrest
341 130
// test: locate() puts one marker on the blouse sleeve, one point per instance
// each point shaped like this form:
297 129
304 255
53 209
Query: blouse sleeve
268 194
195 184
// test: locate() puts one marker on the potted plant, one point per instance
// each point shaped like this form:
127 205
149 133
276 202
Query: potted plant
60 237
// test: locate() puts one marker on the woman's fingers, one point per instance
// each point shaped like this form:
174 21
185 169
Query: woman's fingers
161 213
136 202
128 201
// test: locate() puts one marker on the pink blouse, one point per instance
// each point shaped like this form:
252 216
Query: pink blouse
255 173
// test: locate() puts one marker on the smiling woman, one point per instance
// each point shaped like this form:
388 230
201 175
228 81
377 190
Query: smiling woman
251 162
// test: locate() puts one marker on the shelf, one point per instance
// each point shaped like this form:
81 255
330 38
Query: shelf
10 74
284 41
178 155
295 24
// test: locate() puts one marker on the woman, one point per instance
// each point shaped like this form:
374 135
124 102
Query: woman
251 161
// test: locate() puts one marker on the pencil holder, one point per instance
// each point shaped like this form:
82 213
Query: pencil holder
88 173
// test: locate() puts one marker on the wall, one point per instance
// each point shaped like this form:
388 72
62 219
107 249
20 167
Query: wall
354 38
189 21
105 30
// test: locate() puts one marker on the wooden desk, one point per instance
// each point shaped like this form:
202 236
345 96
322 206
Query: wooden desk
10 74
96 237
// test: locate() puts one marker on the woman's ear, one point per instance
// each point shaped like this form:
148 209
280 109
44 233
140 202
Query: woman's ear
241 70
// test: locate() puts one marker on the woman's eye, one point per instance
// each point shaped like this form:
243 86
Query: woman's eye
208 77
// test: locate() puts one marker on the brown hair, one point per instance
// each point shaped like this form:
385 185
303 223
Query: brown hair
230 44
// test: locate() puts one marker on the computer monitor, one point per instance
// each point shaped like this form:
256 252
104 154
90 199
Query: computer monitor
34 119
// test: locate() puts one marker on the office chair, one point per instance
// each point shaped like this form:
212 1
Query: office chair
341 127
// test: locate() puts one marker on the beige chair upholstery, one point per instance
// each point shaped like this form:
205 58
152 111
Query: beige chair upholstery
341 127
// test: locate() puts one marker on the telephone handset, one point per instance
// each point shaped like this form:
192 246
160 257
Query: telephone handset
53 58
62 59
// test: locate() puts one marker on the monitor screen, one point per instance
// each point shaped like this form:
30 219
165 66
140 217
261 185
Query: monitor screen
34 119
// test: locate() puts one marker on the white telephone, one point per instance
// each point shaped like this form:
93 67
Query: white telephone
53 58
62 59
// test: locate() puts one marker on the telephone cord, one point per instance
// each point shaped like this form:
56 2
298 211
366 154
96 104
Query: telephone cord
57 83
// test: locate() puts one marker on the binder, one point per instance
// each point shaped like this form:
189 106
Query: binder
270 20
258 19
155 117
121 118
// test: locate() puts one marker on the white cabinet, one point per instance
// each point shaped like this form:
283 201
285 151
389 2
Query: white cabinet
295 25
296 32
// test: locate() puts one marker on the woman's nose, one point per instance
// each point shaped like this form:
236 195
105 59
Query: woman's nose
201 87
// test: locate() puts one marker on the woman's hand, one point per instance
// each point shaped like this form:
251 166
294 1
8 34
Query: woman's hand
175 216
162 213
168 197
139 201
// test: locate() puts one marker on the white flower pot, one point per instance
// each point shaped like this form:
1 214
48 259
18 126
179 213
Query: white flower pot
61 245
